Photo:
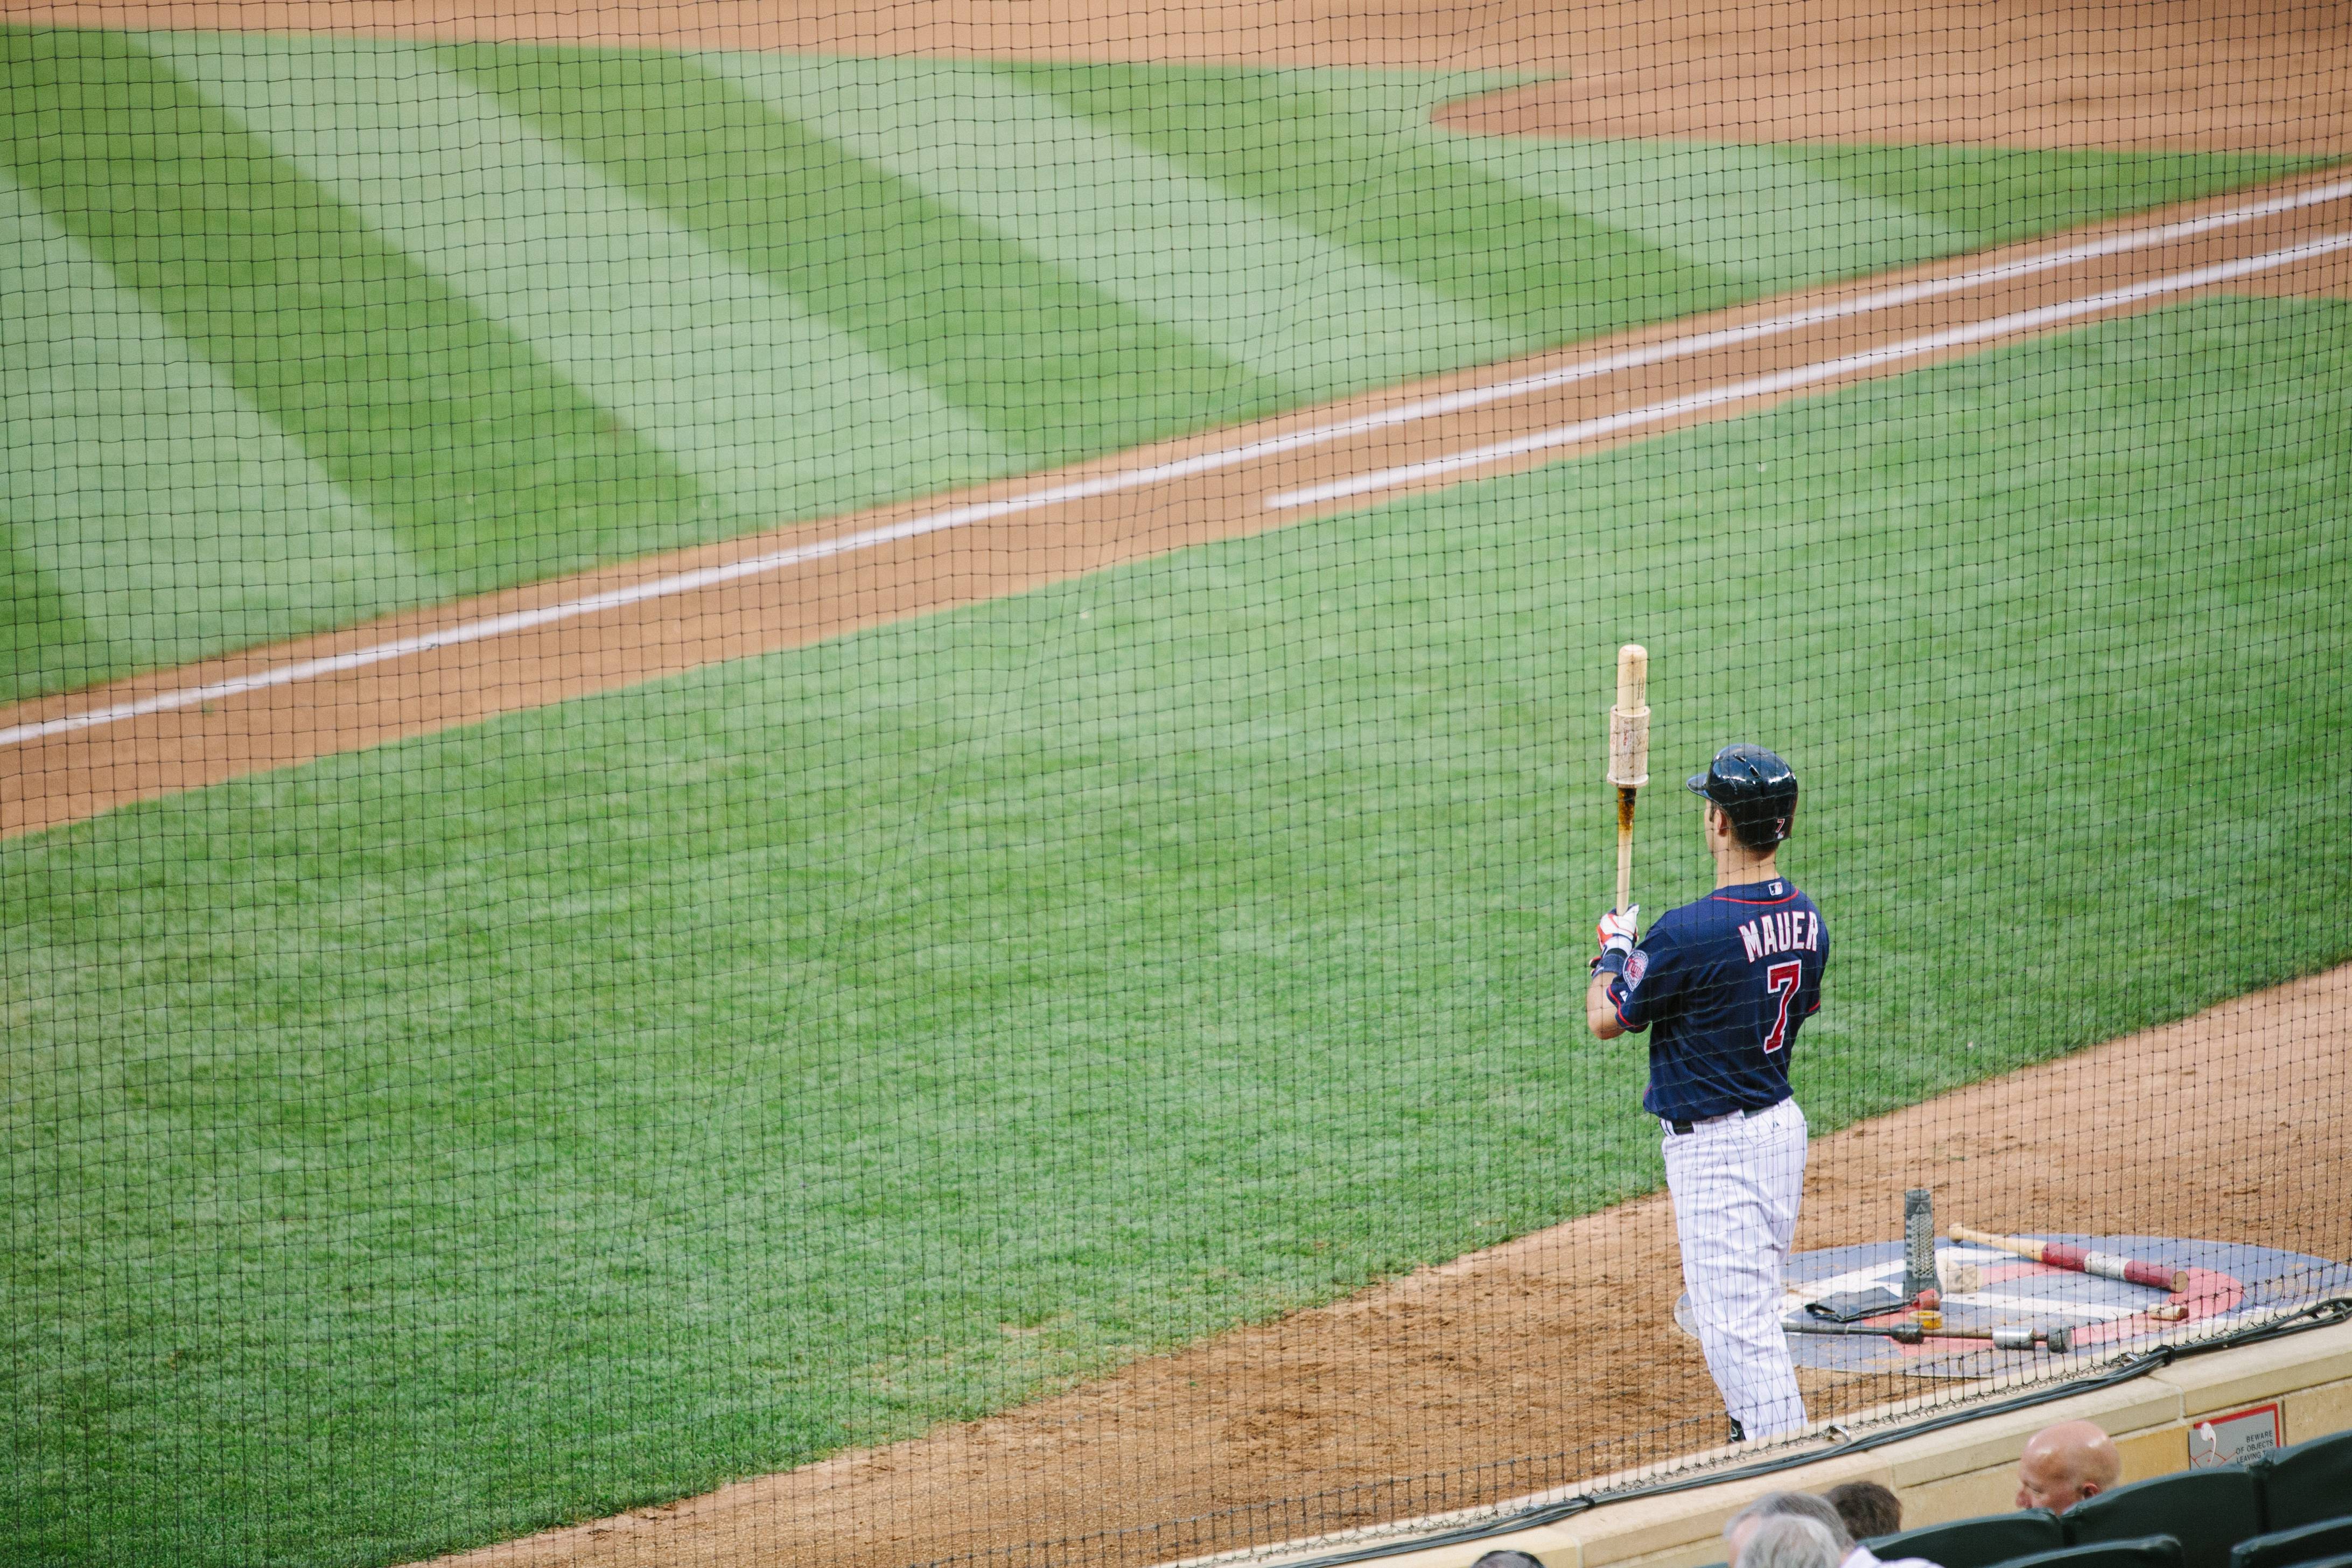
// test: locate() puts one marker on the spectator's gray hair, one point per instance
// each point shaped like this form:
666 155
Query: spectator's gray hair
1795 1505
1792 1540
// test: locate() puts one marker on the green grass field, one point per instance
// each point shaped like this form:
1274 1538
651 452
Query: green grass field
425 1145
304 330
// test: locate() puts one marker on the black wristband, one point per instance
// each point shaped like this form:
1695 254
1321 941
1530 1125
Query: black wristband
1610 960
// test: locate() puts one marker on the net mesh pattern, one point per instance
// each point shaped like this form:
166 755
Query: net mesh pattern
795 784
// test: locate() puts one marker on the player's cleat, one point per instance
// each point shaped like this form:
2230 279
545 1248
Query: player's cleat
1738 1433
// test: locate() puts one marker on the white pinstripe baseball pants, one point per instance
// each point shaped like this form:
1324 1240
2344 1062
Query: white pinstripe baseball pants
1735 1183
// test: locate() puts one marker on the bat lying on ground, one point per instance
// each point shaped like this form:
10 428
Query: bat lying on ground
2081 1261
2060 1340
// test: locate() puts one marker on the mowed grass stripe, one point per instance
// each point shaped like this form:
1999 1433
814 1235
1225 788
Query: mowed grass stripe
490 468
1541 272
1994 196
588 1107
46 643
1055 368
168 519
1750 212
1316 317
777 414
1783 218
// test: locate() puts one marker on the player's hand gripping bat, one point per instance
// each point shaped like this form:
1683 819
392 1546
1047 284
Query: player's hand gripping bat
1628 756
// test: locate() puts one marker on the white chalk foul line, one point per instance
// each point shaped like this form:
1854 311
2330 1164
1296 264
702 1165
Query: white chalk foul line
1805 375
1158 473
1773 326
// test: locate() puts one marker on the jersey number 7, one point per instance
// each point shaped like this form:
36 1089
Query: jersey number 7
1782 980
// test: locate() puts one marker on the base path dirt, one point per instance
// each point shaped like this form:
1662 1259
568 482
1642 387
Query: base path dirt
2254 75
1550 1358
66 758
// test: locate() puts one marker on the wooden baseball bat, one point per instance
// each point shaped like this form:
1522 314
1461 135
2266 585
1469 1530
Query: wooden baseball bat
2081 1259
1629 756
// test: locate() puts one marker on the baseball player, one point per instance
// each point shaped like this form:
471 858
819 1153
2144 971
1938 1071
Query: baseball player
1723 984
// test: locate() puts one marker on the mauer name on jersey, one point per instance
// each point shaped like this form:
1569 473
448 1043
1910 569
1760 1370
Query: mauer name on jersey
1783 931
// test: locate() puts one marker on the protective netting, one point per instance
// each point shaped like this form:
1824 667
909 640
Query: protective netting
858 755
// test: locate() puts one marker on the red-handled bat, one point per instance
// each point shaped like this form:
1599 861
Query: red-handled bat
2081 1259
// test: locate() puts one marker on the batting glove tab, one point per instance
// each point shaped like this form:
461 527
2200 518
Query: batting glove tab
1616 930
1616 935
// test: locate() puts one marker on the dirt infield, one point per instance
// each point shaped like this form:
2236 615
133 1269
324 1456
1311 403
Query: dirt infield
1546 1345
2272 76
1463 34
2260 75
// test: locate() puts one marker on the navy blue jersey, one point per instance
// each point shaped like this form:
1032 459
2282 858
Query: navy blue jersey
1726 982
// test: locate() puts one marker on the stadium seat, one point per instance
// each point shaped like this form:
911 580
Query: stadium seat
1976 1542
2208 1511
2285 1548
2140 1551
2308 1482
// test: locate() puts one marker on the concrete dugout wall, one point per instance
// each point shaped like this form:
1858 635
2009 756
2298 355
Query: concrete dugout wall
1952 1474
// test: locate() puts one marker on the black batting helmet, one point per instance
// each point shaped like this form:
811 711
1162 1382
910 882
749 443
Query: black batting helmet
1754 788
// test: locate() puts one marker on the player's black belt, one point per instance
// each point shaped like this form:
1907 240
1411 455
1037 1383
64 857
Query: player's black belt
1688 1126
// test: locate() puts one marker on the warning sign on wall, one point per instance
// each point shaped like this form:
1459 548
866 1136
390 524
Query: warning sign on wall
2234 1439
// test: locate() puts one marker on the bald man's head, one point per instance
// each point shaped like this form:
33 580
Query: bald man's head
2065 1464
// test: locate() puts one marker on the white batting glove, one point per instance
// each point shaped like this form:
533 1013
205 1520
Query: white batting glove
1616 930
